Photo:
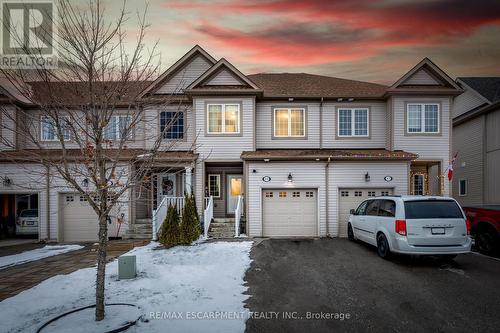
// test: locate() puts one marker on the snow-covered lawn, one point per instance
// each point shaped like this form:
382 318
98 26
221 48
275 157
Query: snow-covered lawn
194 284
32 255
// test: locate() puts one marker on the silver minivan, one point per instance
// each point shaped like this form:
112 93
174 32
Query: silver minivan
421 225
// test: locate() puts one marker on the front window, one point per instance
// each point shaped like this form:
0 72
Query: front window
117 127
423 118
214 186
49 128
462 187
289 123
353 122
172 124
223 118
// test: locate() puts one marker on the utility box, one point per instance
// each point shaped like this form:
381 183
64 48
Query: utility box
126 267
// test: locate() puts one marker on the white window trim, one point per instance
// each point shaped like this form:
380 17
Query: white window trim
290 123
42 122
223 110
353 123
218 184
460 187
117 129
422 118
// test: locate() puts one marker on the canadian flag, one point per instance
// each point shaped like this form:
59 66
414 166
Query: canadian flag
449 169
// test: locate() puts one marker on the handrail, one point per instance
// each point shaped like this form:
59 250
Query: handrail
160 212
237 215
208 215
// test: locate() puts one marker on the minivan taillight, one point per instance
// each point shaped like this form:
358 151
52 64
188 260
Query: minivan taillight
401 227
467 225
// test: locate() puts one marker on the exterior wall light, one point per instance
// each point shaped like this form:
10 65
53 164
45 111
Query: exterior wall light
85 182
367 177
290 178
7 181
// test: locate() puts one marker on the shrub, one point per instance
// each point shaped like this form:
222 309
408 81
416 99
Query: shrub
169 232
190 225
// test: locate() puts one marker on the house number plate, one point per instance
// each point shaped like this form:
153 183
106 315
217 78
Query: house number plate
266 179
388 178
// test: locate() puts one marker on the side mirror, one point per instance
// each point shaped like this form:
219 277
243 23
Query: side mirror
353 212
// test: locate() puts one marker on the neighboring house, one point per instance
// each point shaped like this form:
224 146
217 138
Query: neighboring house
301 149
476 138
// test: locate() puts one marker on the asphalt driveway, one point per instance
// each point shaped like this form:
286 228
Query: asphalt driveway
345 286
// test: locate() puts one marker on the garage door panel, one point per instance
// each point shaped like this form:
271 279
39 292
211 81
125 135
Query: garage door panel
289 213
79 221
351 199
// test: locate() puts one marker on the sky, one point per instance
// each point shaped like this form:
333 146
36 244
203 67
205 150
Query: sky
376 41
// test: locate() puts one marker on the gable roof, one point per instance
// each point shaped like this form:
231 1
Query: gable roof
217 68
303 85
446 83
487 87
196 50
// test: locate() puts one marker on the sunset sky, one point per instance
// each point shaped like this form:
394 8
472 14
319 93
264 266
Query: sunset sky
367 40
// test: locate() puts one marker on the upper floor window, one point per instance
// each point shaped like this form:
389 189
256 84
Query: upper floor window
117 127
172 124
223 118
422 118
289 122
353 122
49 128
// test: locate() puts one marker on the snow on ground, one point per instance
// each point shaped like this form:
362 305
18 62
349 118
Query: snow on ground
32 255
182 289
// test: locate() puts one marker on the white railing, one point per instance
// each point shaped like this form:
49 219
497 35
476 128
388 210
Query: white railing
160 212
208 214
237 215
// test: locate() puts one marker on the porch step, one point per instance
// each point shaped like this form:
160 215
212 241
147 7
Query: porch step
221 228
142 229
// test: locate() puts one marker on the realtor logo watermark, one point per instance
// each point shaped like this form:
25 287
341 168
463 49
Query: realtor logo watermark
28 34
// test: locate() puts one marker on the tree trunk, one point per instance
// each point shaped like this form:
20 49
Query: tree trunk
101 268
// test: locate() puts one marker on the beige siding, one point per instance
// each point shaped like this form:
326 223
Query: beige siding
352 175
224 147
428 147
185 76
468 141
151 127
377 131
7 128
305 175
265 131
224 78
466 102
421 77
492 180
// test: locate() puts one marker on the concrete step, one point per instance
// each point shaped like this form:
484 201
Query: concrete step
143 221
223 219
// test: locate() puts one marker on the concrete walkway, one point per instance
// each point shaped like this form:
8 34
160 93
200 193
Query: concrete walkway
15 279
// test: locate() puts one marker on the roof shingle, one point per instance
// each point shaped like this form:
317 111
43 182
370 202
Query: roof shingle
488 87
310 85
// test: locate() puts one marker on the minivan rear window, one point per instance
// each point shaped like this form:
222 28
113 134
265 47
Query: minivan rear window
432 209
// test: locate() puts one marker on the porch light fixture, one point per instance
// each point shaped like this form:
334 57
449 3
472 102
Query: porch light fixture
290 99
367 177
351 99
340 99
7 181
290 178
266 160
85 182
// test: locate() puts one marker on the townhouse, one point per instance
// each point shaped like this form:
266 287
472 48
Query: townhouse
270 155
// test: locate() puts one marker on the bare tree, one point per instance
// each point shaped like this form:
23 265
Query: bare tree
100 76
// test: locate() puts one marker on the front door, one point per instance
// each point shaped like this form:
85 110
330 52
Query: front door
234 188
166 185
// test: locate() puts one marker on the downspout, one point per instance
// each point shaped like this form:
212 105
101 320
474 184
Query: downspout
47 201
327 196
321 124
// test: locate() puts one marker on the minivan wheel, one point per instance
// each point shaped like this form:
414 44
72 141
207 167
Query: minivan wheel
383 247
350 233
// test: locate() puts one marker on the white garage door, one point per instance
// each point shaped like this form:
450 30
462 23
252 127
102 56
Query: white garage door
289 213
351 198
79 221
